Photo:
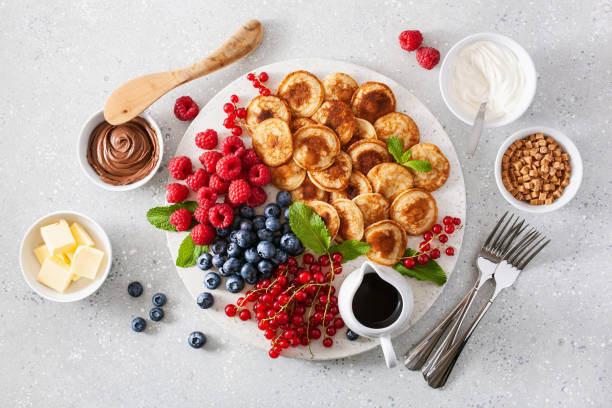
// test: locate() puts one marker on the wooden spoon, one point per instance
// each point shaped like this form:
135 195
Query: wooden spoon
133 97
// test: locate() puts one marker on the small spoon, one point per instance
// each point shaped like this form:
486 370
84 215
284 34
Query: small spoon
133 97
476 131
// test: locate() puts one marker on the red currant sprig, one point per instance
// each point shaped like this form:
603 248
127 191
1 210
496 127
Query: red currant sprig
258 82
235 116
427 250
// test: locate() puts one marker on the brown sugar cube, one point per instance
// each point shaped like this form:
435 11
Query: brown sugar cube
528 160
548 201
556 194
539 136
544 168
516 165
564 183
556 165
541 143
543 150
542 196
565 156
549 139
538 156
532 137
551 146
534 194
524 170
533 202
528 144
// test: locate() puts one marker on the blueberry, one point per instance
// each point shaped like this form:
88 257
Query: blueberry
159 299
285 227
266 249
246 225
236 222
212 280
233 250
232 236
265 267
259 222
218 261
222 232
232 265
351 335
219 247
249 273
265 235
135 289
196 339
286 214
289 242
251 256
273 224
156 314
279 257
204 261
272 210
139 324
283 198
205 300
244 239
265 275
234 284
246 212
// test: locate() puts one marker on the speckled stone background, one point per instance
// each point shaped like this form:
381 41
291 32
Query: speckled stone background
546 342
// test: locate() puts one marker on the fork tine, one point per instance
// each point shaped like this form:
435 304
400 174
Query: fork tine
525 248
495 243
518 247
535 251
495 229
516 229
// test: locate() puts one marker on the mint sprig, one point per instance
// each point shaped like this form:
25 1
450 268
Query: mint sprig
350 249
159 217
396 149
309 227
189 252
430 271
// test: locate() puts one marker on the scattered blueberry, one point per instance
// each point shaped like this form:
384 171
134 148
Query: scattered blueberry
272 211
279 257
249 273
246 225
234 284
232 236
139 324
266 249
219 247
218 261
196 339
351 335
212 280
290 243
156 314
251 255
273 224
233 250
204 261
283 198
159 299
246 211
244 239
135 289
265 235
286 214
232 265
222 232
259 222
205 300
265 267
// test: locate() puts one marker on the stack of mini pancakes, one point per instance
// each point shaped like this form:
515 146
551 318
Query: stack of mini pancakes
325 142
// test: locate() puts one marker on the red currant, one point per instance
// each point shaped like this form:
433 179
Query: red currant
230 310
450 251
251 76
409 263
269 334
333 300
447 220
337 268
263 77
304 277
314 268
281 280
437 228
273 353
304 341
449 229
234 99
319 278
301 296
297 320
435 253
244 314
324 260
330 330
228 108
236 131
328 342
338 323
283 343
256 84
334 310
443 238
457 221
265 92
314 333
308 259
228 123
263 324
427 236
337 257
241 113
424 246
422 259
291 262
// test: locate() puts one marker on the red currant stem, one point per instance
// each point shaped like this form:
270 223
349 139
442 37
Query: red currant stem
333 274
316 296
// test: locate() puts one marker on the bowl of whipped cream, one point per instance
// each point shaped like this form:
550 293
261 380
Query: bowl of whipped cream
492 68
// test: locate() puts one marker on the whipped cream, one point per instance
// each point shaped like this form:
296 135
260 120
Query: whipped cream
487 71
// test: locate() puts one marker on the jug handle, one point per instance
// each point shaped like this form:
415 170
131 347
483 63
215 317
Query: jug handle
388 351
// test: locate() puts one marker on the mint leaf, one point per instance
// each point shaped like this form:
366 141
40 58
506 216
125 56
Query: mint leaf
420 166
350 249
406 156
309 227
159 217
430 271
396 148
189 252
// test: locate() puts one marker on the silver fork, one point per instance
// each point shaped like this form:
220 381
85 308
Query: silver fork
506 272
490 254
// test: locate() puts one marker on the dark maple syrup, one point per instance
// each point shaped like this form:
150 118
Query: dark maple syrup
376 303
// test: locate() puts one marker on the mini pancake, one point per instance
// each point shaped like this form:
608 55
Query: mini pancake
390 179
416 210
363 130
387 241
368 153
336 177
338 116
297 123
288 176
272 142
303 92
357 184
307 192
372 100
329 215
315 147
339 87
399 125
265 107
351 220
374 207
438 175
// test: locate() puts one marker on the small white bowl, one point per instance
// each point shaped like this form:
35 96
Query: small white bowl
575 162
83 144
524 59
81 288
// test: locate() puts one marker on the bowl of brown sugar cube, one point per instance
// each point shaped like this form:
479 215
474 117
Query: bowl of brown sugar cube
538 169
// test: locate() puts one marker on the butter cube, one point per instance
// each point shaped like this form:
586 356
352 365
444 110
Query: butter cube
80 235
70 254
86 261
58 237
55 273
41 252
75 277
66 258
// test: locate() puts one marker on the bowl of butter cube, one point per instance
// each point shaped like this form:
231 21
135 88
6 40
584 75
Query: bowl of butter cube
65 256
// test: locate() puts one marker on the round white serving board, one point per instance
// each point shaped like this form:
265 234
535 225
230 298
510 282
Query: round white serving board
450 199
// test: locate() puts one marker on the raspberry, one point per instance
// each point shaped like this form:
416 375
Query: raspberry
209 160
258 197
410 40
259 175
181 219
197 180
202 234
244 175
228 167
221 215
175 193
250 159
207 140
201 212
206 194
229 202
185 108
239 191
233 145
219 185
180 167
428 57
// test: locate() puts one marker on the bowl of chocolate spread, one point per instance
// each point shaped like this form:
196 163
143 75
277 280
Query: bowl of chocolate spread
120 157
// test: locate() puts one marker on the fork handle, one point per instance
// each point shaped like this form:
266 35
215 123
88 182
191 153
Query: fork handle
421 352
